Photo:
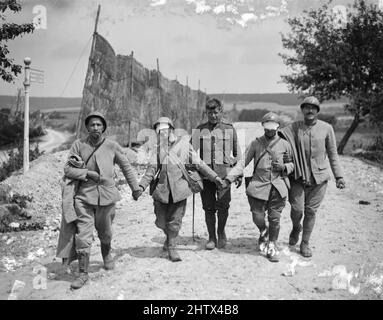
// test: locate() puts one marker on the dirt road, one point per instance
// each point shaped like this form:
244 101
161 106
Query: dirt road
347 260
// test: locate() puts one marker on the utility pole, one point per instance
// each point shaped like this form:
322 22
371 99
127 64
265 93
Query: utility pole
27 85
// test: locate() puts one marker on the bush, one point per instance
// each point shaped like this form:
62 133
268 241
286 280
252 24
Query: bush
329 118
15 161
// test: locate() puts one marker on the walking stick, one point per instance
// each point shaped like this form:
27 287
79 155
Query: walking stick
193 216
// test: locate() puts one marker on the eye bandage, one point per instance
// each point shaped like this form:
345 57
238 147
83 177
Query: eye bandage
271 125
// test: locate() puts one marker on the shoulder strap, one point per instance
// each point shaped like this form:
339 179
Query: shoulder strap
87 160
267 150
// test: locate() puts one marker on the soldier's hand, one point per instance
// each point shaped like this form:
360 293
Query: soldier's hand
219 182
287 158
277 167
340 183
238 182
137 193
93 175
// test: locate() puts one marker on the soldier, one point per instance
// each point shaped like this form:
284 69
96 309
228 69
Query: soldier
312 141
268 188
218 145
172 190
96 196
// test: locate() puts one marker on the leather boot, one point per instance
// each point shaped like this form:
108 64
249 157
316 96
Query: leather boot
83 265
222 218
107 256
308 226
294 235
210 223
166 243
173 254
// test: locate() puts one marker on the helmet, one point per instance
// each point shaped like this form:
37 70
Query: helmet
311 100
271 121
164 122
98 115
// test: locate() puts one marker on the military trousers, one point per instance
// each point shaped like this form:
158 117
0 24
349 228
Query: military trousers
90 217
169 216
305 202
273 206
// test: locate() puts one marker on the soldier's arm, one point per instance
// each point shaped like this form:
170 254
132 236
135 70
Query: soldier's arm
201 166
126 168
333 153
242 164
289 166
72 172
150 172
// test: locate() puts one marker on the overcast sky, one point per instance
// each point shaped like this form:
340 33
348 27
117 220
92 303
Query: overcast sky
231 46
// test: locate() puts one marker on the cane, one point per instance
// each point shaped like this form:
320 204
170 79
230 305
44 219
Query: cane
193 216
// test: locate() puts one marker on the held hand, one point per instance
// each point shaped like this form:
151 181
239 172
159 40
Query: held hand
93 175
137 193
277 167
340 183
238 182
219 182
287 158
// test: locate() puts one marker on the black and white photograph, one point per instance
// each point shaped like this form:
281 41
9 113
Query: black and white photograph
192 155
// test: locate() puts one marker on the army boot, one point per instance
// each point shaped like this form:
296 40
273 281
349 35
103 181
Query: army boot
83 265
294 235
222 218
210 223
308 226
173 254
107 256
166 243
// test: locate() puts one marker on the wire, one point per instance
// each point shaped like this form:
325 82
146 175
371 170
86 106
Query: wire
74 69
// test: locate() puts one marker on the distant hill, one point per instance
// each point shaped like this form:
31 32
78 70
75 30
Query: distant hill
43 103
286 99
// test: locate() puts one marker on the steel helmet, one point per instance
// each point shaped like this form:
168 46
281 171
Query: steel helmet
311 100
271 121
164 122
98 115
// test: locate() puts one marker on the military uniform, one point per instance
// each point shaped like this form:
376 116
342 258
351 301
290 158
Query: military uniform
219 149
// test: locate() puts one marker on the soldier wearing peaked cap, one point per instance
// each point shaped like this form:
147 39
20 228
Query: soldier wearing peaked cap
313 142
268 188
218 146
96 196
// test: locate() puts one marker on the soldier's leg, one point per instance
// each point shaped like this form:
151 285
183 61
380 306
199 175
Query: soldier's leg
208 197
314 196
222 205
161 212
173 226
258 209
275 206
103 220
83 239
297 202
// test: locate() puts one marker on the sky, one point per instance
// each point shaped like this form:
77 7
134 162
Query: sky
229 46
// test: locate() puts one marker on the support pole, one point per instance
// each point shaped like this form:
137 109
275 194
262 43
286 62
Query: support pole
27 84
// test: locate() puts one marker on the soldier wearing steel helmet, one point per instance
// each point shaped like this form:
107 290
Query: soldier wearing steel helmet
96 195
217 142
313 142
172 190
268 188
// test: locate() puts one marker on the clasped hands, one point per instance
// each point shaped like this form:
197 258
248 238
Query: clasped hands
225 183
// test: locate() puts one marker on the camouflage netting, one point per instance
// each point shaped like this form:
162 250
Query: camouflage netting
130 95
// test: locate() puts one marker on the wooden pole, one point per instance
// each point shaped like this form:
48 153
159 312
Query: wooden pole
27 84
78 127
187 103
158 90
